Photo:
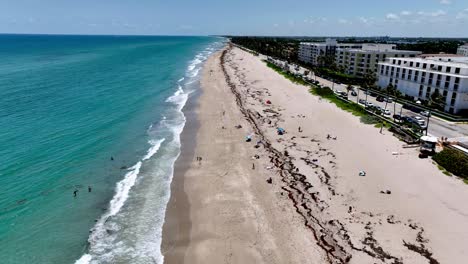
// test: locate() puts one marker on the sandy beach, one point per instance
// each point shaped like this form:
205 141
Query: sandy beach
298 197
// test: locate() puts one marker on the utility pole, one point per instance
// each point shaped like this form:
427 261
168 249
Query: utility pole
358 90
428 118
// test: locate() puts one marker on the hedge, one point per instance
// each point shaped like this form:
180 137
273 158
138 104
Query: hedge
453 161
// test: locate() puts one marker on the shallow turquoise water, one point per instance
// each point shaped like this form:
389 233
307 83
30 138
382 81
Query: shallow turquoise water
67 105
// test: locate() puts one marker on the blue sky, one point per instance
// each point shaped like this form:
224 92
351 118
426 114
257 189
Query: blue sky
426 18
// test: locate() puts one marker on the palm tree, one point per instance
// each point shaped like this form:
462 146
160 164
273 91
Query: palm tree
349 88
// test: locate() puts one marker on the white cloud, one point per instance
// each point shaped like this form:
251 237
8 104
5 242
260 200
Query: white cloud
343 21
463 14
437 13
406 13
445 2
392 16
364 20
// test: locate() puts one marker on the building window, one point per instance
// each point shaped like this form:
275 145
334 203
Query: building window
393 61
423 80
421 90
411 64
447 78
399 62
457 70
454 96
438 83
404 70
457 79
431 75
447 69
455 87
424 65
417 64
423 74
439 77
439 68
446 84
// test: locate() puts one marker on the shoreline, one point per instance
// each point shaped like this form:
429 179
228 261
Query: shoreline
177 225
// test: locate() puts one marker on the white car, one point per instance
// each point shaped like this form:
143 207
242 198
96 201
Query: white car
386 113
425 113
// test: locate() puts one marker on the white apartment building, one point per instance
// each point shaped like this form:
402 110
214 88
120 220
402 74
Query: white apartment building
463 50
310 52
420 77
359 62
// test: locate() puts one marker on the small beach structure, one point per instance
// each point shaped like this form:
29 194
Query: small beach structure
428 145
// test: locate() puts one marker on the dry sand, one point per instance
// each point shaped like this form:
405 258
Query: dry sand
317 208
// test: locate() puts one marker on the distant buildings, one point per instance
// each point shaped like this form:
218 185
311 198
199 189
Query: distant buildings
362 61
311 52
463 50
420 77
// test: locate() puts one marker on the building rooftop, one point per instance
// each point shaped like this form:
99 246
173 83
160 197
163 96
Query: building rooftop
428 55
382 51
444 61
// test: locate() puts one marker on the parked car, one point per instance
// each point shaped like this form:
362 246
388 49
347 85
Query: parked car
425 113
388 99
397 117
387 113
369 104
380 98
353 93
362 101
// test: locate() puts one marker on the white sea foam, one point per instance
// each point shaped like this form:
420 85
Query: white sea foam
155 145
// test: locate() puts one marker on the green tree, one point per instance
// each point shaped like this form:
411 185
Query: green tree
437 100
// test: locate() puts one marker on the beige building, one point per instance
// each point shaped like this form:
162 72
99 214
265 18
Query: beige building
310 52
359 62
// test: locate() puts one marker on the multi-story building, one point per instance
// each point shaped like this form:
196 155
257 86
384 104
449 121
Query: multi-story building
359 62
310 52
463 50
419 78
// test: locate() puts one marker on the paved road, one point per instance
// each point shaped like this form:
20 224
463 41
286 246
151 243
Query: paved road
437 127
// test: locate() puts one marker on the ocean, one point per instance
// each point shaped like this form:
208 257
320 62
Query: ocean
98 117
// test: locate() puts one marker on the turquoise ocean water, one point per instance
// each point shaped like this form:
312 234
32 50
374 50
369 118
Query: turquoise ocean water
98 111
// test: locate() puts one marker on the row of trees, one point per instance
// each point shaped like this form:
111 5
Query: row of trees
436 100
283 48
436 46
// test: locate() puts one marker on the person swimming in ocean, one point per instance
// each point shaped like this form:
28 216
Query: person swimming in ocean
75 193
89 188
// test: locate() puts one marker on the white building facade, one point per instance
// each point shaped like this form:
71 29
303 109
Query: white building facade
310 52
359 62
419 78
463 50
